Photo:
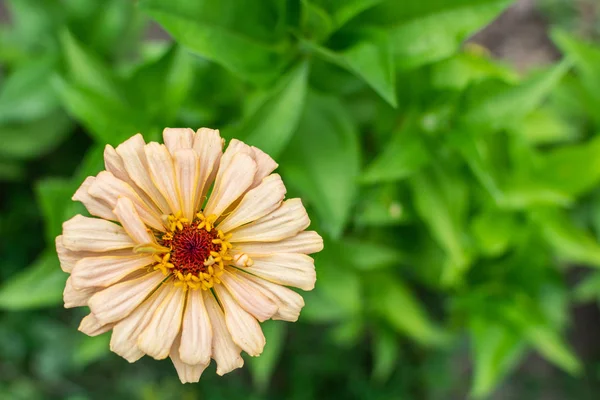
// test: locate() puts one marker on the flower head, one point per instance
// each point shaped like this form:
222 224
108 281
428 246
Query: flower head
192 247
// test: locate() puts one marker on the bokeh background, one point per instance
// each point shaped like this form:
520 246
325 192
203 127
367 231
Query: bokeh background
447 150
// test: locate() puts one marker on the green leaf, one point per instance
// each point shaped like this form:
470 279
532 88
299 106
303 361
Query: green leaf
323 161
511 105
382 205
39 285
342 11
369 255
570 241
496 351
54 197
404 155
90 350
392 300
547 126
32 139
588 289
271 126
494 231
262 368
369 57
385 354
238 35
11 170
341 286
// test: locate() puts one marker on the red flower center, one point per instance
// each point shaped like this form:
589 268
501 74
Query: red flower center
191 247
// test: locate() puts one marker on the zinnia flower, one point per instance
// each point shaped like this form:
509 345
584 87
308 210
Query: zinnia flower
192 247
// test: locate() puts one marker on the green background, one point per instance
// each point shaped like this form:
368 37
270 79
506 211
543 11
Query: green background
459 199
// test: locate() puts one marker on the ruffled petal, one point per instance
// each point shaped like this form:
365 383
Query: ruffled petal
231 184
162 172
306 242
118 301
95 206
244 328
224 351
257 203
92 327
289 303
77 298
297 270
289 219
135 162
131 221
264 163
187 172
104 271
188 373
156 340
108 188
126 333
196 332
252 300
209 146
178 138
91 234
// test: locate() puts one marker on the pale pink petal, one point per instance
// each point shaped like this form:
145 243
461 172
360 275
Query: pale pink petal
244 328
118 301
289 303
187 172
209 146
178 138
196 332
92 234
265 165
297 270
126 333
224 351
104 271
108 188
77 298
230 185
156 340
187 373
69 258
134 158
251 300
162 172
115 165
95 206
92 327
306 242
131 221
289 219
258 202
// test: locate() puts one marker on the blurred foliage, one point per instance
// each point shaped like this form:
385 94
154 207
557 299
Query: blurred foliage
454 195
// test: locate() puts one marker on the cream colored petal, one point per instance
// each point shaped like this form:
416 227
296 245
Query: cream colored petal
134 158
95 206
224 351
234 148
196 332
126 333
297 270
162 172
92 234
156 340
109 189
244 328
118 301
231 185
252 300
114 164
187 172
187 373
289 303
131 221
289 219
77 298
178 138
265 165
92 327
306 242
209 146
104 271
69 258
258 202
